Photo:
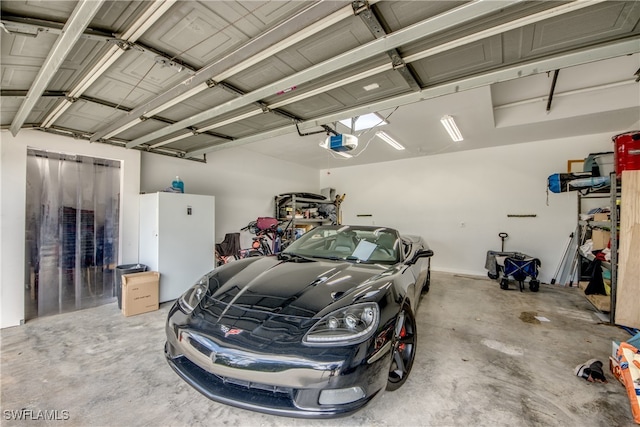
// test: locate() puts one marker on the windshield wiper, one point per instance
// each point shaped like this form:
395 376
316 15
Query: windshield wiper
350 258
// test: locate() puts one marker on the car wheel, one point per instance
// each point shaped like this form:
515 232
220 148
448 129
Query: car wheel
403 349
427 282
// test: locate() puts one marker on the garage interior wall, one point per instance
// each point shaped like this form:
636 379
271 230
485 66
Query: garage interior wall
244 184
460 201
13 185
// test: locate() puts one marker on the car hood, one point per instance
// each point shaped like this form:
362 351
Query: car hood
301 289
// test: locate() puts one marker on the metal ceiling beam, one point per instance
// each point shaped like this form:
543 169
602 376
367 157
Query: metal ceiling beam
29 27
79 20
607 51
304 24
148 18
518 23
32 27
16 93
449 19
369 16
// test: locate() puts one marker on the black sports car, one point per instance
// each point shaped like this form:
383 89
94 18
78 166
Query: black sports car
314 332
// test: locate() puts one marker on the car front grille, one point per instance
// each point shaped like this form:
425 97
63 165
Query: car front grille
257 386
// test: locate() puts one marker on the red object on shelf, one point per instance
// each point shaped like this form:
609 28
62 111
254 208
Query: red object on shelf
627 151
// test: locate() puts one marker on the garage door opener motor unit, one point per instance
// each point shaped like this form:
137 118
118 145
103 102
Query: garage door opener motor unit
341 142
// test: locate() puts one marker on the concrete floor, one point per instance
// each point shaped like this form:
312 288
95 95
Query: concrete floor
483 359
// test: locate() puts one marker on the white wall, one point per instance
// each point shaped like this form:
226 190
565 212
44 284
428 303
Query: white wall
13 159
243 183
460 201
431 196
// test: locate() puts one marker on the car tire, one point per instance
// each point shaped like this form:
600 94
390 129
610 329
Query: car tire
427 282
403 349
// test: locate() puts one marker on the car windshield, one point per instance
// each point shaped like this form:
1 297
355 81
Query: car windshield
373 245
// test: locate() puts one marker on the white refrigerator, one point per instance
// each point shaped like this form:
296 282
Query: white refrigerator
177 239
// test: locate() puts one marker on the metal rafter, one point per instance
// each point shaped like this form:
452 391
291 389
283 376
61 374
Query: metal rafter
611 50
79 20
559 10
371 18
150 15
450 19
302 25
29 27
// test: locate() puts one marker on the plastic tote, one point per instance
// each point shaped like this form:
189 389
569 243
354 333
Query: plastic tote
125 269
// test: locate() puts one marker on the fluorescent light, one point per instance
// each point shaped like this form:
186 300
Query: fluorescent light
365 121
392 142
451 127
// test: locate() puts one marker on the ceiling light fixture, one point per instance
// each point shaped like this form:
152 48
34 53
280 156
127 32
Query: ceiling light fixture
392 142
451 127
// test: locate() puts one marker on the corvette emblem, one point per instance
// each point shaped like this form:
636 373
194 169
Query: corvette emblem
230 331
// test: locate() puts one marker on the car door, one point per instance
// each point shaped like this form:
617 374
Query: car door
419 269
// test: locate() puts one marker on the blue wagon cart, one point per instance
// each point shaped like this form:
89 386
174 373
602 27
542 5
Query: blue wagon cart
502 265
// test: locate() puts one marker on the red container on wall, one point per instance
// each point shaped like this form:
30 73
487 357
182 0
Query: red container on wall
627 151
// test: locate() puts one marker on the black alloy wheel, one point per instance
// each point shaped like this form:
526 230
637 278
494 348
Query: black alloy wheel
403 350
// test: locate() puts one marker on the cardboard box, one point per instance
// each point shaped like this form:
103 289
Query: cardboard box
601 302
600 238
140 292
602 216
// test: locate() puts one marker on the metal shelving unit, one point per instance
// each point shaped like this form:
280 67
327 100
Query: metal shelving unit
613 194
293 204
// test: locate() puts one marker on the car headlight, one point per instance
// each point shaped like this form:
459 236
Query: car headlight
190 299
349 325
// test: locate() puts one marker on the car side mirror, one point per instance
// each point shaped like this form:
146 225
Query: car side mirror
422 253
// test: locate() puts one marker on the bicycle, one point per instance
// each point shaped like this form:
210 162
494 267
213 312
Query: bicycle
268 240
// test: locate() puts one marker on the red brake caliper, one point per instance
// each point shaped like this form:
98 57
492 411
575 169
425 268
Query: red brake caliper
403 333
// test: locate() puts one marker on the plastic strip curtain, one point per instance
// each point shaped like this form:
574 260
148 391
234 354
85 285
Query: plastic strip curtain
71 232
